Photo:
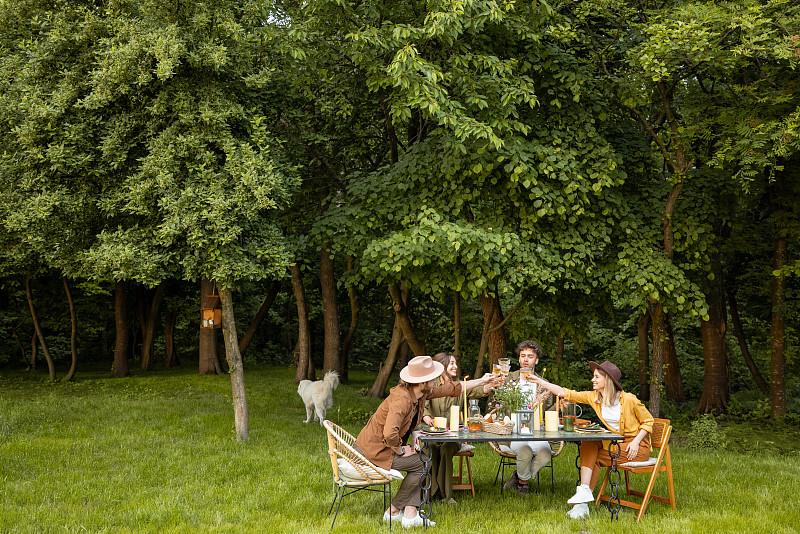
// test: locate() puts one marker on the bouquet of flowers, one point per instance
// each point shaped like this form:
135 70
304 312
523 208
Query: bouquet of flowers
509 398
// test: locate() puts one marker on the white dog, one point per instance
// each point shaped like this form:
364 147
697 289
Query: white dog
318 395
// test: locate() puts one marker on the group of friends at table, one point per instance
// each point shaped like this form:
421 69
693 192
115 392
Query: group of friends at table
429 386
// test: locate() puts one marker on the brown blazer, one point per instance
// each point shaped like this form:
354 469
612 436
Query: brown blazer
382 437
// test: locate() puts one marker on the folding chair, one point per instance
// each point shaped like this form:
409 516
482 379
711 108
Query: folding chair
655 465
352 471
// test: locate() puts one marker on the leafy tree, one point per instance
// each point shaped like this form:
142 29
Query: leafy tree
150 105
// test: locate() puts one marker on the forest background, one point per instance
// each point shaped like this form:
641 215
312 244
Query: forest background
363 181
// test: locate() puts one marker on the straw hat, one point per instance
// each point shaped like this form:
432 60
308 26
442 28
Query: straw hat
421 369
610 369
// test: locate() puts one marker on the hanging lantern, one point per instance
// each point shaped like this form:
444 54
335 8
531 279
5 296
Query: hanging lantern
210 312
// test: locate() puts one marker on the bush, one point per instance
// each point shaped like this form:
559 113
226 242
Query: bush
707 434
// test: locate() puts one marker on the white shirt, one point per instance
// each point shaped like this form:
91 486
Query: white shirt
611 415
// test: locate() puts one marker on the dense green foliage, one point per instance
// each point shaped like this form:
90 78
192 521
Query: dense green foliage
523 150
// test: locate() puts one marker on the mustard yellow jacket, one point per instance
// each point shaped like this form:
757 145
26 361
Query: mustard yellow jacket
633 416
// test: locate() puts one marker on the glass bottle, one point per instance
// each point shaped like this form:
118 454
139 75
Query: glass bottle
475 417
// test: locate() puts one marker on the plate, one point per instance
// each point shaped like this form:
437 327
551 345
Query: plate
433 430
590 430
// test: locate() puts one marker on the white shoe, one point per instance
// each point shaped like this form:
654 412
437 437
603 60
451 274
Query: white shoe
582 494
397 517
416 521
579 511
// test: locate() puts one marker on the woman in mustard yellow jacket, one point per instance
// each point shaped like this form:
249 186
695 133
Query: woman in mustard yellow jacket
621 412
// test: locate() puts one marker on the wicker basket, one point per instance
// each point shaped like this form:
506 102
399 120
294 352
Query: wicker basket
497 428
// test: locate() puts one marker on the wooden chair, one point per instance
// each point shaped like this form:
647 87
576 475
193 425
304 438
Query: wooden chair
458 481
509 459
352 471
655 465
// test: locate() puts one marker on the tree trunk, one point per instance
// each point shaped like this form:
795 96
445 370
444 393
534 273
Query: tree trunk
305 364
490 305
457 325
170 317
149 331
777 333
330 311
257 320
559 349
673 385
400 300
119 368
644 357
487 321
207 342
714 398
38 328
34 350
378 389
657 363
235 368
73 339
347 342
400 295
739 332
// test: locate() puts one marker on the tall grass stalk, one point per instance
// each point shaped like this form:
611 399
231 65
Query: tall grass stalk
157 453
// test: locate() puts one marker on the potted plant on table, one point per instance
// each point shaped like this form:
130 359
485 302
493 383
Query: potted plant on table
509 398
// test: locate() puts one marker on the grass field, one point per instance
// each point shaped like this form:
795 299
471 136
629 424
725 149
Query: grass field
156 453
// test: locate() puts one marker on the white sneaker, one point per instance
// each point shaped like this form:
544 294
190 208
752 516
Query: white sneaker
579 511
416 521
582 494
397 517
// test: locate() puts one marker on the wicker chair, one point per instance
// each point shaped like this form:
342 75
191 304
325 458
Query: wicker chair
655 465
510 460
352 471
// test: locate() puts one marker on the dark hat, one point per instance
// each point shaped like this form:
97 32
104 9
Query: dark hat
610 369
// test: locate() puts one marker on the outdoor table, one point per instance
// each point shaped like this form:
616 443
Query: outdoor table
465 436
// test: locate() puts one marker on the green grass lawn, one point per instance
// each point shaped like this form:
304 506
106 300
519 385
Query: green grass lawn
156 453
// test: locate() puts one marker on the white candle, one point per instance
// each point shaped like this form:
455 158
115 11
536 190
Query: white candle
551 421
440 422
454 417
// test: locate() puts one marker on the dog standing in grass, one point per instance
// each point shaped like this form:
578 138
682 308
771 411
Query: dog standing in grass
318 395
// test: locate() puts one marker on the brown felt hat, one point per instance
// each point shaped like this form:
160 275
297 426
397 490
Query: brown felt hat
610 369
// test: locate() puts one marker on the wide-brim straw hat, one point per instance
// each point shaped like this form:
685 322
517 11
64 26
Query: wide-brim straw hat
610 369
421 369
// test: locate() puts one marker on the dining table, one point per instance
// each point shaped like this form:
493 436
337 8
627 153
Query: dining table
466 436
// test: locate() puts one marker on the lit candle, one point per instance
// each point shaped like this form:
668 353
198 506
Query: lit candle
464 392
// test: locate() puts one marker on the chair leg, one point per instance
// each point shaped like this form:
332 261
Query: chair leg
646 498
670 485
341 496
335 496
602 488
469 472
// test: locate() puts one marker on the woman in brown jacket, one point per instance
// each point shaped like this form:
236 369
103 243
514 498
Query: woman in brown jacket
383 438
